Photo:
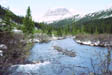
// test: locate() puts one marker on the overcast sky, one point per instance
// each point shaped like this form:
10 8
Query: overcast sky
40 7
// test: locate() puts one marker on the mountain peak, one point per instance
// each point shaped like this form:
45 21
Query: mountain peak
56 14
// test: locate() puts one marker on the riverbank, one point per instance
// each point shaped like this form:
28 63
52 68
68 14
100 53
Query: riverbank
13 50
44 38
102 40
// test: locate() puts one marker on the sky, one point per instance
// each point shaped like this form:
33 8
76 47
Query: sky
40 7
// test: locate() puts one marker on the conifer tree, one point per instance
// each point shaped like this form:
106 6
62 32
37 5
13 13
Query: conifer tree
28 23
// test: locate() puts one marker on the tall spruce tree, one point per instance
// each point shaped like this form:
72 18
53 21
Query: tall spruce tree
28 23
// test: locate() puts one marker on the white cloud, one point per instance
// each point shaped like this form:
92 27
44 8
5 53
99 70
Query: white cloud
3 2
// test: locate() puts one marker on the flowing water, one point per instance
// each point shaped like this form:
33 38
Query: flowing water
56 63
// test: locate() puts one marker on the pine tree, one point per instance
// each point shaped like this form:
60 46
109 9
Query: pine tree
28 23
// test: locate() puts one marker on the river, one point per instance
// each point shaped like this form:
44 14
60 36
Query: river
88 59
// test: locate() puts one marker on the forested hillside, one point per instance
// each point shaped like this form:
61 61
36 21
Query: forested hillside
15 18
97 22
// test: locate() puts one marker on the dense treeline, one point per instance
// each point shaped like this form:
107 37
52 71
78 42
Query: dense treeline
96 26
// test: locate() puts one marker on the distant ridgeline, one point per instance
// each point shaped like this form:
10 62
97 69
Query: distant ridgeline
97 22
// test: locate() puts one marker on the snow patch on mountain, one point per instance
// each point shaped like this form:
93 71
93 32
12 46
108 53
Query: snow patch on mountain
105 16
57 14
